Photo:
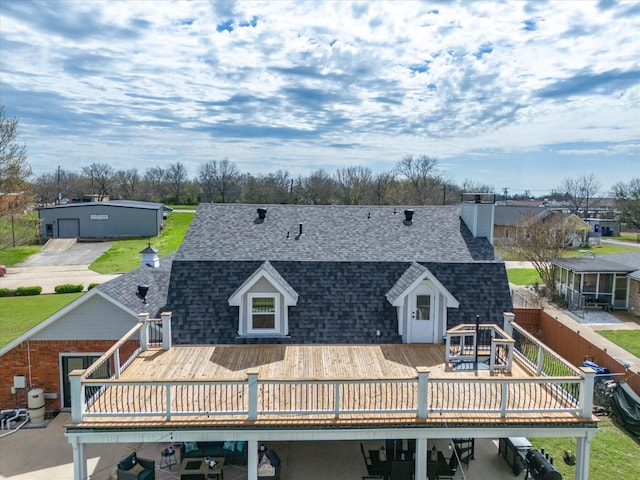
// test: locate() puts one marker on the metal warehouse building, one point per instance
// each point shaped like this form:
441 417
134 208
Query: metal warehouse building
113 219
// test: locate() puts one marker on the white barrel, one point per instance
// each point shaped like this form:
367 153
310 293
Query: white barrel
36 405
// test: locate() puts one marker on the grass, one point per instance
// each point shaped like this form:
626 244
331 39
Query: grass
523 276
628 236
603 249
11 256
627 339
614 452
19 314
124 255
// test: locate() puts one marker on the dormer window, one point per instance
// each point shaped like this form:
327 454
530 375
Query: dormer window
264 312
264 300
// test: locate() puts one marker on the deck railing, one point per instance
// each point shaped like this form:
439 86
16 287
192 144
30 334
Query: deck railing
555 387
469 343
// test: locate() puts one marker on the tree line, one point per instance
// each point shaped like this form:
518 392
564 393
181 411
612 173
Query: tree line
415 180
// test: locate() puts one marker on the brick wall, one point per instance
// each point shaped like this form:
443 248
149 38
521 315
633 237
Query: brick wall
45 368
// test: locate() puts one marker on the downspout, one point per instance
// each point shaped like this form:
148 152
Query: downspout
29 362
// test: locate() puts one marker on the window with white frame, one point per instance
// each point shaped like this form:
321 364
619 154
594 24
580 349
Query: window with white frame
263 313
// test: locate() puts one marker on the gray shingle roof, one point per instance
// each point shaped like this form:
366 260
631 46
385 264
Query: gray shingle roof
111 203
123 288
408 277
331 233
596 264
512 214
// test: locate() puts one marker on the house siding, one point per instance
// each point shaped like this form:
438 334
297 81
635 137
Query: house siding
95 319
634 296
44 371
339 302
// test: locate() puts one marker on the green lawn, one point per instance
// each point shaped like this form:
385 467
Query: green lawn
627 339
603 249
19 314
614 453
628 236
11 256
523 276
124 255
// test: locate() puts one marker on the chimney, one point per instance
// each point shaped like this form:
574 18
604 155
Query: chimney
408 217
477 213
262 213
150 257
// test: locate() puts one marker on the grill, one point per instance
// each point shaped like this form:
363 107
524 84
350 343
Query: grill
540 468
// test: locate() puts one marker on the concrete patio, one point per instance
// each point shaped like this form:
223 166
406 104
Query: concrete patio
45 454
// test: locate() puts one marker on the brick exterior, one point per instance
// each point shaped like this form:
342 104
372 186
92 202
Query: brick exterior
45 368
634 297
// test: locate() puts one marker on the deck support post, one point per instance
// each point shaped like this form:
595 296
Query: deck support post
423 391
144 331
582 455
252 460
421 458
166 330
79 459
252 380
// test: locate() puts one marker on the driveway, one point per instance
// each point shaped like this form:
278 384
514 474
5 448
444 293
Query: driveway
55 266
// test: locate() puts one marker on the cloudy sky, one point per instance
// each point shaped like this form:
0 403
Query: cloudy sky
512 94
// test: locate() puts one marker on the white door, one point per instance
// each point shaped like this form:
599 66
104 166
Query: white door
422 314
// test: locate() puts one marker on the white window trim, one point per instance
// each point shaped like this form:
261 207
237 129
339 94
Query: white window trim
277 314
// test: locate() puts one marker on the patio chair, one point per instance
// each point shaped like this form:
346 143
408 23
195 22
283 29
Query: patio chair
133 467
374 470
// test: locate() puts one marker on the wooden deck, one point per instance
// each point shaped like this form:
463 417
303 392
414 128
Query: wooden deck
306 386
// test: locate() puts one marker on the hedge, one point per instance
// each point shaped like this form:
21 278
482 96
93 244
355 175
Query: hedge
68 288
20 292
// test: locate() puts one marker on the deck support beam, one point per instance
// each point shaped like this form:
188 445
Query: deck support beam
252 460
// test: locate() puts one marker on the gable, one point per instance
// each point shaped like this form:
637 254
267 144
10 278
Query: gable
95 319
410 279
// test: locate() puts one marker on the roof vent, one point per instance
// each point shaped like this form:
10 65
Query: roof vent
262 214
408 217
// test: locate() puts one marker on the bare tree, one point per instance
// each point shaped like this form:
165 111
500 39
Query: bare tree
422 177
381 185
219 180
627 200
14 168
581 193
317 189
271 188
354 185
175 176
154 180
472 186
101 177
127 183
539 241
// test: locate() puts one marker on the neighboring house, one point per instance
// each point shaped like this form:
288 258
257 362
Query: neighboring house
603 227
76 335
507 219
608 281
101 220
311 323
555 222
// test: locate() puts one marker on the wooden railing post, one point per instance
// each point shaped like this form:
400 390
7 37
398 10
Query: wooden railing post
77 395
144 331
166 330
252 380
503 398
336 398
423 392
586 391
116 363
508 319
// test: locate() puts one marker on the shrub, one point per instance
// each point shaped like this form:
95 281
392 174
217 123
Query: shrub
91 285
7 292
68 288
28 291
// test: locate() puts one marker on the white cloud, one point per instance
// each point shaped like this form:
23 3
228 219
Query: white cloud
277 84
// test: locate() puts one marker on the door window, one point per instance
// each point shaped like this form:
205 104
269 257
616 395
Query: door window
423 307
